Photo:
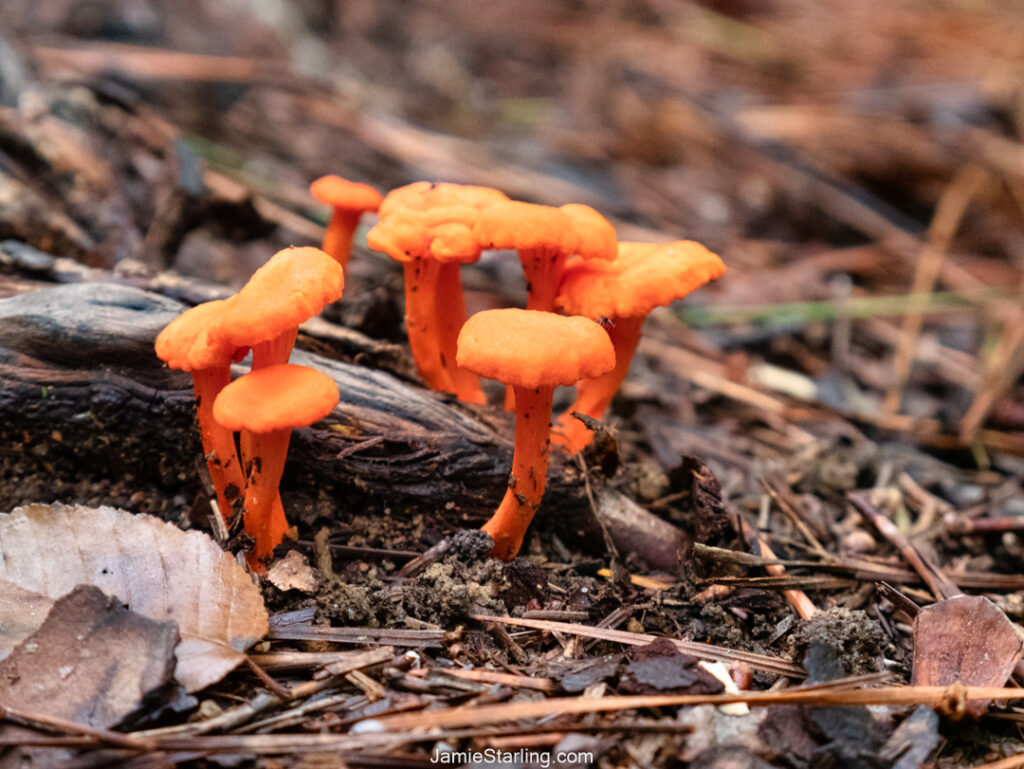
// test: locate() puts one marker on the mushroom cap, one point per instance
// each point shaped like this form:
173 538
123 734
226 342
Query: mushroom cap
526 227
293 286
341 193
597 235
445 235
424 220
187 344
529 348
424 196
276 398
643 276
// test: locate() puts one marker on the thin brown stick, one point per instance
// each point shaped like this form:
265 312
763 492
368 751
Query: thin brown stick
940 585
948 214
700 650
148 62
268 681
950 698
492 677
48 723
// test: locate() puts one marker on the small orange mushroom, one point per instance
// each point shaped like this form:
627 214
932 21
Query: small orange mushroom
429 229
643 276
533 352
348 202
265 406
294 285
186 344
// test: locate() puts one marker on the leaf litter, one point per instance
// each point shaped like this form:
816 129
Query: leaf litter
154 568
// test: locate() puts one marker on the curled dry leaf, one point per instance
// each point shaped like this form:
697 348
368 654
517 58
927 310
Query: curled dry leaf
158 570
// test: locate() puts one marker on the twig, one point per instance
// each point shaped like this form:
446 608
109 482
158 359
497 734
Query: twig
940 585
949 698
239 715
48 723
361 635
492 677
268 681
948 214
700 650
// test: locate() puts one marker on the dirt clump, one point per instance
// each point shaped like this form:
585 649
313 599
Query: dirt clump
852 636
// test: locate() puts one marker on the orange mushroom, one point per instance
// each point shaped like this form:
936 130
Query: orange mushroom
186 344
643 276
265 406
348 202
294 285
545 237
533 352
429 229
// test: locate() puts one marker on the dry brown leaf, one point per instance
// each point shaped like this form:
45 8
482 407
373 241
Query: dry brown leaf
158 570
92 661
293 572
21 613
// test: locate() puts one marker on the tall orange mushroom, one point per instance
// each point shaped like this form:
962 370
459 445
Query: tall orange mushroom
265 406
544 238
533 352
643 276
429 229
348 202
187 344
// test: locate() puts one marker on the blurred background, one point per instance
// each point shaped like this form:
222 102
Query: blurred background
858 166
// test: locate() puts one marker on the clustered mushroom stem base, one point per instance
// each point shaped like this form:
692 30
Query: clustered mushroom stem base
451 313
594 396
264 519
338 238
274 351
508 525
218 442
422 323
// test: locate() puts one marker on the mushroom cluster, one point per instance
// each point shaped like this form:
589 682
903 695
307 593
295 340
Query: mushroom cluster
264 316
576 273
572 263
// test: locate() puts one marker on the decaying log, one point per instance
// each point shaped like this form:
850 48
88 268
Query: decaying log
84 395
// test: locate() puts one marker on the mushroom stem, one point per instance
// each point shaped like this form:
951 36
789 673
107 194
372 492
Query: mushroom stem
264 518
594 396
274 351
423 324
543 270
270 353
451 313
340 230
508 525
218 442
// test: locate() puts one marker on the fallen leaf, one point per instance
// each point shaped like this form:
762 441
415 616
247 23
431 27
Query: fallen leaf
660 668
158 570
21 614
91 661
293 572
580 674
966 638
